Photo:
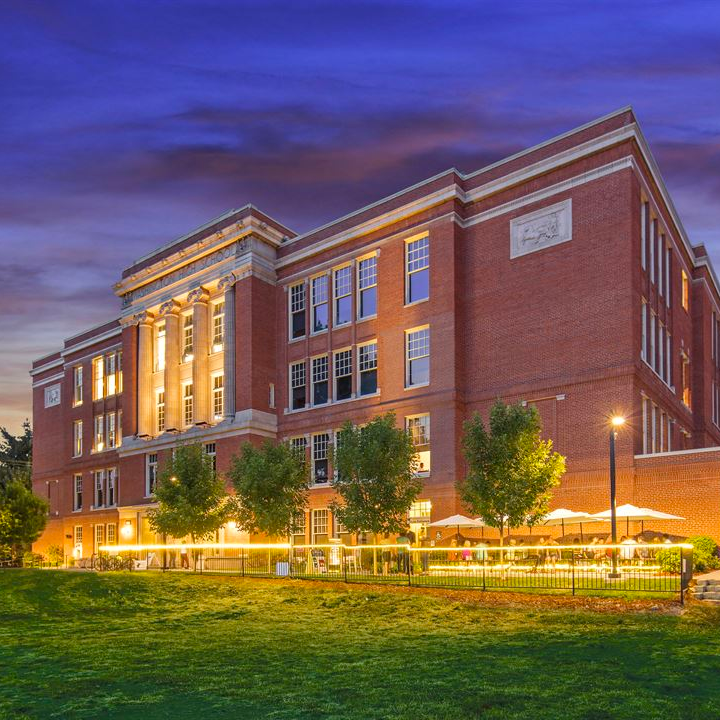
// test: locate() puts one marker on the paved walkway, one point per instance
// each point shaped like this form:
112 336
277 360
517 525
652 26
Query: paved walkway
714 575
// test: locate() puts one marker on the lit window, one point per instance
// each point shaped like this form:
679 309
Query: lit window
77 438
77 385
118 441
98 365
419 428
78 537
297 385
99 433
320 523
417 270
343 375
111 419
338 528
111 534
218 326
99 488
110 376
188 404
320 445
297 310
367 287
160 411
367 363
99 536
151 469
160 348
299 524
187 353
417 354
320 380
343 295
112 487
211 451
77 492
218 396
420 511
685 290
685 378
320 303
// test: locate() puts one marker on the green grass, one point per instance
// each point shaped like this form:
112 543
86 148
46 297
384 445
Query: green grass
143 645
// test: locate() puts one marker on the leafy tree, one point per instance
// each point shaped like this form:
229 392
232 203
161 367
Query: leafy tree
271 487
511 470
191 496
23 516
376 477
16 455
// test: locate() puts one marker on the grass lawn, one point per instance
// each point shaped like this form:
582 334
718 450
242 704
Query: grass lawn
143 645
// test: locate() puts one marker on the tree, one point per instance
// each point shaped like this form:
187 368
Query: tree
271 487
23 516
16 456
376 477
191 496
511 470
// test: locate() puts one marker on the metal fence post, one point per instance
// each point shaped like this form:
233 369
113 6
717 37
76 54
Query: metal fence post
344 562
242 562
686 570
572 565
408 560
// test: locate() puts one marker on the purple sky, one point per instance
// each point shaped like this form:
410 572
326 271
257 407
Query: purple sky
125 124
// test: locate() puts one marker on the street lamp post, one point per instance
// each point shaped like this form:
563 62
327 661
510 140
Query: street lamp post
616 423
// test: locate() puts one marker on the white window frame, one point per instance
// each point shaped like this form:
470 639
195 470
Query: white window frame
159 337
98 433
160 410
335 376
111 534
77 386
77 438
420 268
218 391
111 487
320 520
643 233
362 288
99 489
318 360
408 340
319 279
294 307
218 326
338 295
151 473
643 347
98 377
313 455
99 535
360 348
188 332
292 386
77 492
185 398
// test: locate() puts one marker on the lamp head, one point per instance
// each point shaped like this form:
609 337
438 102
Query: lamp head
617 421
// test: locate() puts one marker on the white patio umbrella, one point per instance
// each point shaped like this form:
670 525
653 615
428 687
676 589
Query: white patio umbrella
458 521
630 512
563 515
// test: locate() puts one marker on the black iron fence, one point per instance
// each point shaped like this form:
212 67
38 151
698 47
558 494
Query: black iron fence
646 568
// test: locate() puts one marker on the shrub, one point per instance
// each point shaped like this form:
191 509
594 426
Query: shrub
32 559
55 554
705 555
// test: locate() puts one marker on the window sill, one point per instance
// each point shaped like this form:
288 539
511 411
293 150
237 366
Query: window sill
416 387
316 333
77 510
340 326
416 302
289 411
297 339
365 319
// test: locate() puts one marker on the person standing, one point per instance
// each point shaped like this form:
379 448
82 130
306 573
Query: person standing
184 564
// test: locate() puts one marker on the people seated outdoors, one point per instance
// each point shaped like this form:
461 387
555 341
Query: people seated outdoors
627 553
466 552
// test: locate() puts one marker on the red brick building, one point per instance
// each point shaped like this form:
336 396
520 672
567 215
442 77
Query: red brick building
561 276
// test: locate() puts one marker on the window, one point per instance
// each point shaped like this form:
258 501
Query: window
218 326
77 385
367 363
98 366
217 396
645 406
211 451
643 234
299 524
99 433
77 438
110 374
320 303
653 428
643 346
417 270
685 290
297 385
160 410
119 429
320 457
112 475
111 534
653 324
419 428
661 261
151 473
668 260
417 354
160 347
320 380
188 404
343 375
343 295
367 287
297 311
685 376
187 353
716 403
668 364
77 492
99 488
661 350
420 511
299 445
338 528
320 523
111 420
271 395
653 229
99 536
78 536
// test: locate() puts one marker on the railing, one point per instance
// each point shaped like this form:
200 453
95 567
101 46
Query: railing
647 568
